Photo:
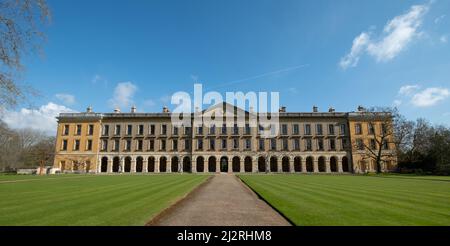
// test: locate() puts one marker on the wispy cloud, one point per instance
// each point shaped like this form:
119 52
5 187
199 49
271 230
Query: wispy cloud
293 90
67 99
149 103
358 47
98 79
165 99
438 19
42 119
408 89
443 39
263 75
418 97
123 95
397 34
430 96
397 103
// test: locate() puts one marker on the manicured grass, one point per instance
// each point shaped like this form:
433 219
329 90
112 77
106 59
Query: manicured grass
356 200
89 199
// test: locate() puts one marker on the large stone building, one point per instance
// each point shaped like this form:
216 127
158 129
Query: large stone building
325 142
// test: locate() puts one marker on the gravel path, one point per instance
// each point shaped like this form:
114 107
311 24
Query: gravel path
223 201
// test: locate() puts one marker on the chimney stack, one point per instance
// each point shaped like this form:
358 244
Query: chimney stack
133 109
89 109
165 109
315 109
331 110
117 110
282 109
361 108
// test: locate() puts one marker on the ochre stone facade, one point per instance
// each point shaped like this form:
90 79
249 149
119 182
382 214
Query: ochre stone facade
319 142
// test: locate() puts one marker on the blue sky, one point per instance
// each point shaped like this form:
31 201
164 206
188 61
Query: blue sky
325 53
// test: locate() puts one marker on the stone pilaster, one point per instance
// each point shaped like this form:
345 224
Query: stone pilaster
327 166
291 165
156 165
279 165
133 166
242 165
169 165
145 165
303 164
316 165
122 165
217 165
194 166
339 165
110 166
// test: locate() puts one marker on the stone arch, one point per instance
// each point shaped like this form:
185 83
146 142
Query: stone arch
151 164
248 165
345 167
310 164
236 164
333 164
187 167
127 166
139 164
163 164
297 164
285 164
104 165
224 164
261 164
321 164
273 164
212 164
174 162
200 164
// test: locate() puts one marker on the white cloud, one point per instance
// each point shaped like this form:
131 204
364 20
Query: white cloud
66 98
42 119
430 96
123 95
408 89
358 47
397 34
443 39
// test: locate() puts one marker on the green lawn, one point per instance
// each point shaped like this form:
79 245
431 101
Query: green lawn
356 200
89 199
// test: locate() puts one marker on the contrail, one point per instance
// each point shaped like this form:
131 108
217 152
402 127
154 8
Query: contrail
261 75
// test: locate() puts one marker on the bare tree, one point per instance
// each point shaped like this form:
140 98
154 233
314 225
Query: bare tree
20 21
24 148
381 124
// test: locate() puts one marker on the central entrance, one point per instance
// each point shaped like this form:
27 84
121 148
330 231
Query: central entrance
224 164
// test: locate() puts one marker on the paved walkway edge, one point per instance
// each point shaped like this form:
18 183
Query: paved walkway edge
174 205
264 200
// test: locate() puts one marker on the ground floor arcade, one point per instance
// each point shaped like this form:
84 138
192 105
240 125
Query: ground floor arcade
229 164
